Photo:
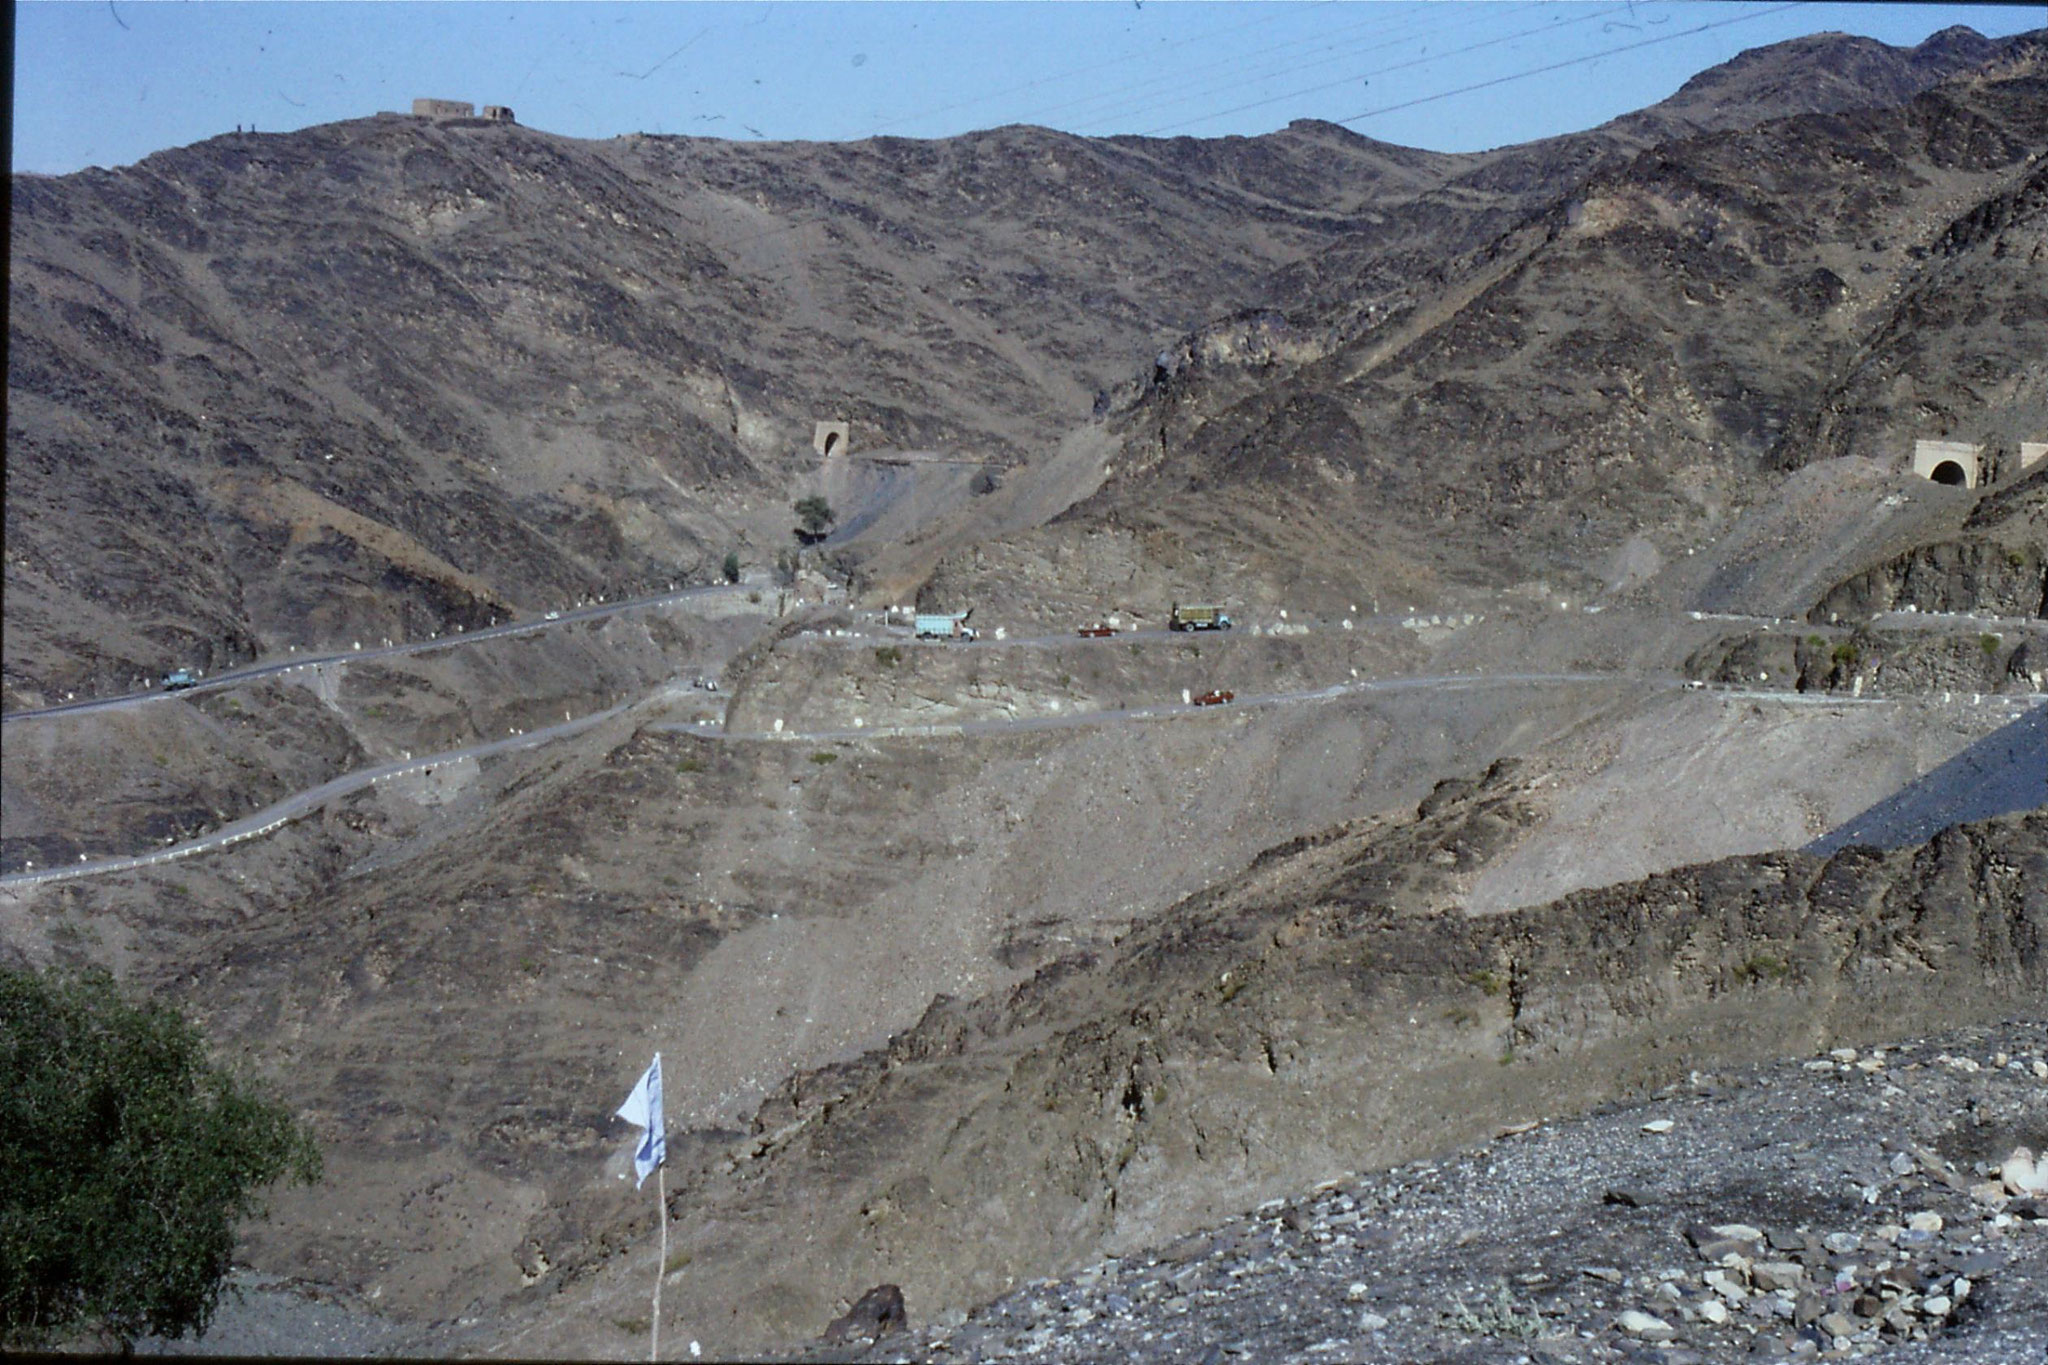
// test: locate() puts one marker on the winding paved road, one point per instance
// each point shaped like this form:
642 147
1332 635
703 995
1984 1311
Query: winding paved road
281 813
237 676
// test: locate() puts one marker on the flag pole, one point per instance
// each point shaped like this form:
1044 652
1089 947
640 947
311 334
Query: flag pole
660 1270
642 1109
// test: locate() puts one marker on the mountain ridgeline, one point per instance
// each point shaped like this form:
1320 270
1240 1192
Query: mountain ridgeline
391 376
1561 495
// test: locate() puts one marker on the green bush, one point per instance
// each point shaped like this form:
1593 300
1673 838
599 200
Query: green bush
814 517
126 1161
1764 967
1491 982
888 656
731 567
1502 1317
824 756
1844 655
1989 643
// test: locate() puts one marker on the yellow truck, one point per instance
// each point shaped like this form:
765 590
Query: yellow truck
1197 618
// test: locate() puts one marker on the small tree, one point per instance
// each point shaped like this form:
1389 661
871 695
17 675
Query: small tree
814 517
731 567
126 1161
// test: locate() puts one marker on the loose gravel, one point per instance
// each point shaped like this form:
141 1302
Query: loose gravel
1883 1204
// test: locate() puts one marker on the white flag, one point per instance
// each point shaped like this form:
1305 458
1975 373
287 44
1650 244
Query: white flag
643 1108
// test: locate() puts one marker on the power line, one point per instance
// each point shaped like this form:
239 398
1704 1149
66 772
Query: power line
1385 70
1570 61
1069 75
1410 17
1580 60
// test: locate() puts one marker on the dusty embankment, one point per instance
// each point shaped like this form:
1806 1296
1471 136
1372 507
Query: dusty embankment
1299 1023
123 780
1752 775
822 682
1817 527
1995 562
452 975
1887 1199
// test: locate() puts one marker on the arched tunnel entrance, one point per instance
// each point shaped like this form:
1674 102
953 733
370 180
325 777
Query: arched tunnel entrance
832 444
1958 464
831 437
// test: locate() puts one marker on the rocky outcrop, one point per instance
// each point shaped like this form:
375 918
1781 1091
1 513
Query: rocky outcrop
1842 1202
1973 576
1922 659
1296 1022
1626 353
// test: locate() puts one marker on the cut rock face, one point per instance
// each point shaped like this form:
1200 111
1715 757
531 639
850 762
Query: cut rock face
877 1314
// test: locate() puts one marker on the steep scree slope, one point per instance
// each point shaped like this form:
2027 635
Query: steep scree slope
1298 1022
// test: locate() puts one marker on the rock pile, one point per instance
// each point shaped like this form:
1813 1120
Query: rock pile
1859 1202
1841 1292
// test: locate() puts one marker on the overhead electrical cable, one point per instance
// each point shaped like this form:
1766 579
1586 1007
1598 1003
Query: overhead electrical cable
1570 61
1426 60
876 129
1389 38
1237 63
1581 60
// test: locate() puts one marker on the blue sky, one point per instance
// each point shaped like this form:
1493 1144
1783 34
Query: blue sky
108 83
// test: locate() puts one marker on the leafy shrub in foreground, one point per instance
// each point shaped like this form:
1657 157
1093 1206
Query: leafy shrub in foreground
126 1161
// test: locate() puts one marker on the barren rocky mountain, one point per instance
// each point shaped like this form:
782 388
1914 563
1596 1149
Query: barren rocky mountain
1320 1012
1638 353
1610 713
384 377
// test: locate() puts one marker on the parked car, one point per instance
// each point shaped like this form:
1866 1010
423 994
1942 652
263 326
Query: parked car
180 679
1215 698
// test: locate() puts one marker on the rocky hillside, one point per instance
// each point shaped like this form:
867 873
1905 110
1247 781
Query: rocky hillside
1890 1199
386 377
382 377
1997 563
1317 1015
1642 353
